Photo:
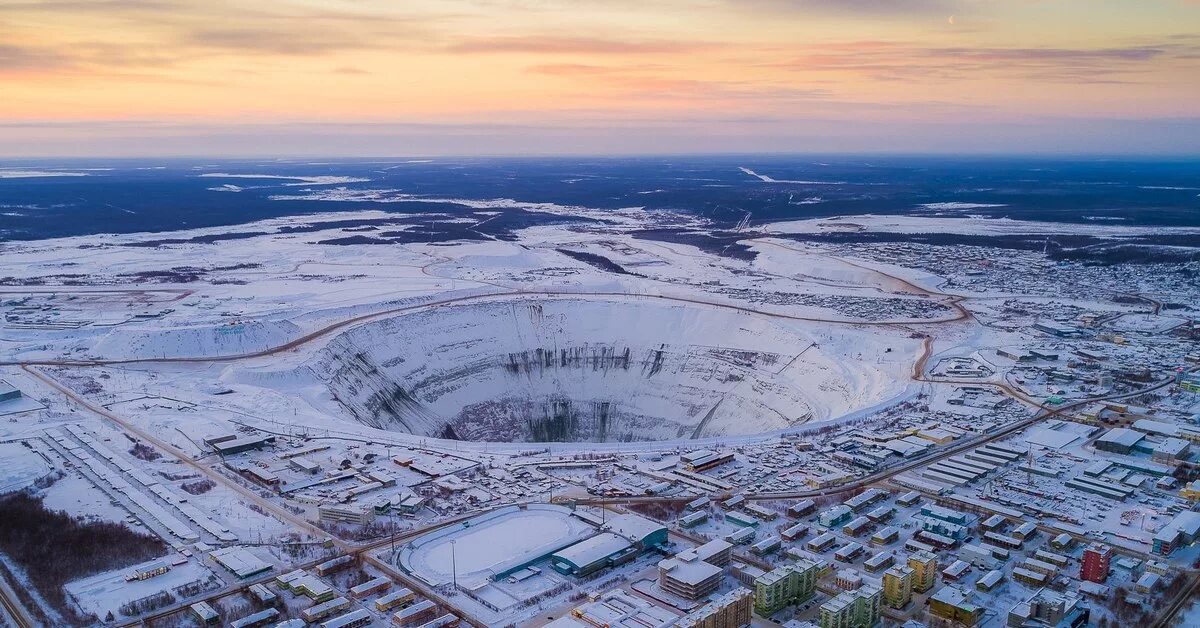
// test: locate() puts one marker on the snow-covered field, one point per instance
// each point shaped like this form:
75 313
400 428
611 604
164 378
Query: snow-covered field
20 468
107 592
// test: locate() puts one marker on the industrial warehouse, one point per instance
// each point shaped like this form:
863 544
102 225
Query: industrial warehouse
514 540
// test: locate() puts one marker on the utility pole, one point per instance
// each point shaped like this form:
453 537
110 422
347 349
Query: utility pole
453 565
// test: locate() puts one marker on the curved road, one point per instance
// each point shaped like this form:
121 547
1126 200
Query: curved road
962 314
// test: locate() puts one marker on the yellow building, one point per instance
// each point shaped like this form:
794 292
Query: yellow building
925 568
898 586
955 605
1191 491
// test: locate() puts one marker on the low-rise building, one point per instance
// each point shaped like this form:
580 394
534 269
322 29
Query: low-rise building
1182 530
1120 440
1191 491
835 516
205 613
356 514
955 604
8 392
616 609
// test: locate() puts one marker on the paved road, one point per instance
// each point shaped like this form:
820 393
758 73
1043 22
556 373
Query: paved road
14 611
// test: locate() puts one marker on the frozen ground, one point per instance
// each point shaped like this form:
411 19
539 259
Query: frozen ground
20 467
611 369
107 592
622 339
504 538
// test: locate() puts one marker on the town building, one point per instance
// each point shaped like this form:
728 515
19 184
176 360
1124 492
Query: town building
731 610
355 514
240 562
687 576
954 606
860 608
230 444
898 586
1121 440
1051 609
205 613
620 539
925 567
989 580
8 392
1184 529
1094 567
835 516
1057 329
1171 450
1191 491
789 584
616 609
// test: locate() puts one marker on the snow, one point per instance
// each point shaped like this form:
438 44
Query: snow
690 370
300 180
505 537
21 467
78 497
959 205
22 173
228 339
972 225
107 592
766 179
489 338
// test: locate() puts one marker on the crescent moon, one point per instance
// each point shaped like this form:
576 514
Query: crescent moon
951 20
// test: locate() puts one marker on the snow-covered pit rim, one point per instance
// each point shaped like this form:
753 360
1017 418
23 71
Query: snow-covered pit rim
601 371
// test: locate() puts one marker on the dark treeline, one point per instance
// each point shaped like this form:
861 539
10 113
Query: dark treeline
54 548
598 261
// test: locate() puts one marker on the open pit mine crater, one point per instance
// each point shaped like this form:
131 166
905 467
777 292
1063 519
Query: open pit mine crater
615 369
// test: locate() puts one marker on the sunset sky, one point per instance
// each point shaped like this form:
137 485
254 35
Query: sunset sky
416 77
